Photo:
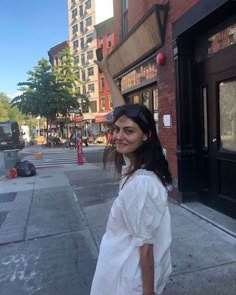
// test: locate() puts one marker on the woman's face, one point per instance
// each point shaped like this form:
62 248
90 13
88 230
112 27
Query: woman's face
127 135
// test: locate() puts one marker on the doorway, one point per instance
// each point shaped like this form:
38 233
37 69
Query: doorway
217 84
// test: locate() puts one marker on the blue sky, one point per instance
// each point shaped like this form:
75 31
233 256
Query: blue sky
28 29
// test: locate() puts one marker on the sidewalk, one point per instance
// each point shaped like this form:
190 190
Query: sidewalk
204 256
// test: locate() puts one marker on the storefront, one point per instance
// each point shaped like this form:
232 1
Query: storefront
205 67
191 91
104 121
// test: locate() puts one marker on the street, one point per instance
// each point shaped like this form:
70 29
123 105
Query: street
51 226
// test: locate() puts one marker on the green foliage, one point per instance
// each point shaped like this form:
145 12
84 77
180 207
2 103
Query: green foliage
44 94
7 112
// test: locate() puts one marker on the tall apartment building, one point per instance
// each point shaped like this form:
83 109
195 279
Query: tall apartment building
82 36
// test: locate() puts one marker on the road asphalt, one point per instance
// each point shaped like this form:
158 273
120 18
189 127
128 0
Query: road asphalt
51 226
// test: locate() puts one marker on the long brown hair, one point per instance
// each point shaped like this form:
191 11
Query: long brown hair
149 155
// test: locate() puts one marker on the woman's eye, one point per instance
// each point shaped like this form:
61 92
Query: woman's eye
129 131
116 129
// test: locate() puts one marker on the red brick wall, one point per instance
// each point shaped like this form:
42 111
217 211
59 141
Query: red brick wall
166 77
106 92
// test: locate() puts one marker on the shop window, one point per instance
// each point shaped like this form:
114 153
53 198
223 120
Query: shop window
146 99
136 98
227 104
225 38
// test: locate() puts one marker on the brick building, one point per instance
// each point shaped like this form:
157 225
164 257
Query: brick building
105 40
178 58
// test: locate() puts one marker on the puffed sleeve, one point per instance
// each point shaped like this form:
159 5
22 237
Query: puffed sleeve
144 202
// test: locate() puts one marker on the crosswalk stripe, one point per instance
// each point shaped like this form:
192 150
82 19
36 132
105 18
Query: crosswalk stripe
55 160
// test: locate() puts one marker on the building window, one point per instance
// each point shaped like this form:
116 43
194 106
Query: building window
81 25
81 10
102 83
110 102
93 106
124 18
108 40
82 43
82 59
88 21
75 29
227 103
89 38
90 71
91 88
76 60
88 4
89 55
103 98
75 44
83 76
101 42
74 13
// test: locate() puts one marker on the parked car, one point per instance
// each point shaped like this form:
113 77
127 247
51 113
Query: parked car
11 136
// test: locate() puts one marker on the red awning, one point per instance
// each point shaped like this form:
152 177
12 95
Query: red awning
100 118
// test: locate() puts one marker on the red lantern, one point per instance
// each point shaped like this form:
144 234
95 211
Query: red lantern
161 59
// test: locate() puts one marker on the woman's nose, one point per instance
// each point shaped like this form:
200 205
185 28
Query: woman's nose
119 135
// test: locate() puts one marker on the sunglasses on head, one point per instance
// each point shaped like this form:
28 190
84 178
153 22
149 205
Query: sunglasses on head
131 111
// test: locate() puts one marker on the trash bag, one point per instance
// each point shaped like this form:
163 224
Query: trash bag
25 169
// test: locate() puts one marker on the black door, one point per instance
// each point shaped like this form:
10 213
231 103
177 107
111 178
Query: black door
219 130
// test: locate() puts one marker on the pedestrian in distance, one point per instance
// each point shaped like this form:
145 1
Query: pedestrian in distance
134 256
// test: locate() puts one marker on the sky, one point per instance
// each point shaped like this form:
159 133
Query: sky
28 29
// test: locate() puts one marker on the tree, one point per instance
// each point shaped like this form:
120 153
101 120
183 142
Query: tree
7 112
68 72
45 94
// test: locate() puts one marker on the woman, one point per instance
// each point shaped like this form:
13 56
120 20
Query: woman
134 256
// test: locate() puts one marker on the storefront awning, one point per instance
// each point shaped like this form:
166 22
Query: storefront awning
104 117
142 41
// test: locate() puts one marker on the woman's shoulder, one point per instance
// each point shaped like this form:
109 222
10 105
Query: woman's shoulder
146 180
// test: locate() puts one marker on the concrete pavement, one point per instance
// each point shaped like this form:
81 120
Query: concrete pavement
51 226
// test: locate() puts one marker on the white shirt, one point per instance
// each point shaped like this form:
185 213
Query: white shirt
138 216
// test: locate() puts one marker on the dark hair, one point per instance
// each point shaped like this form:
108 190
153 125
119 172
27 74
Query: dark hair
149 155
